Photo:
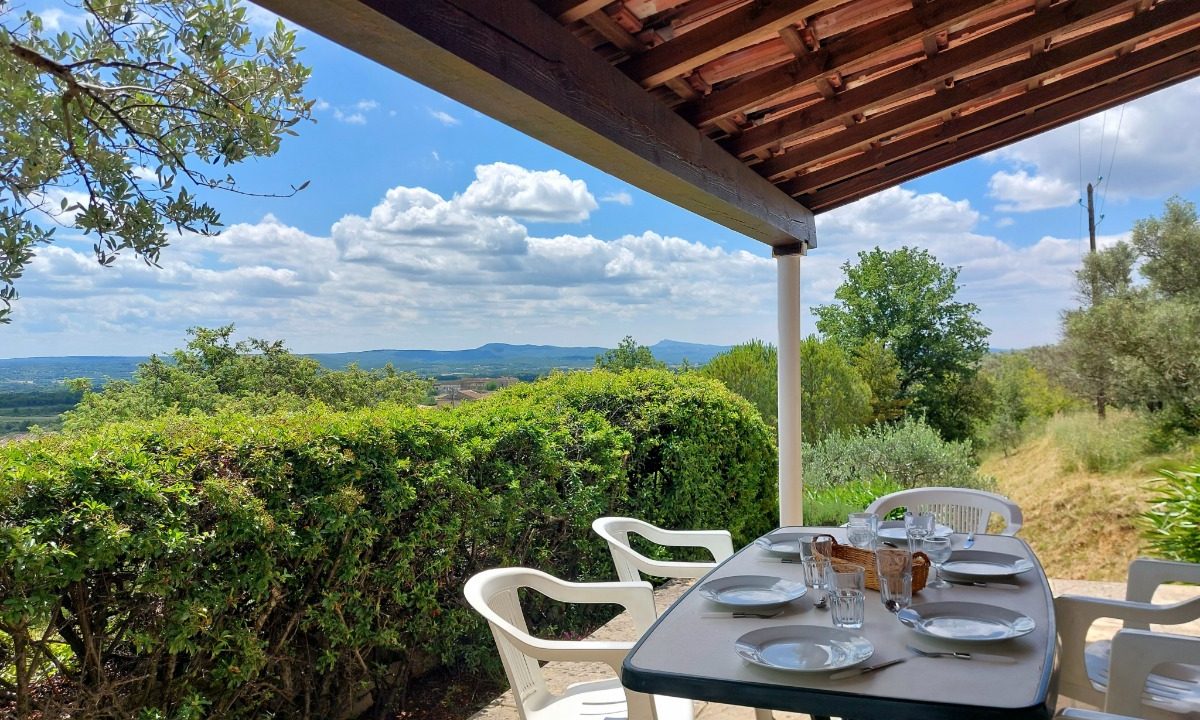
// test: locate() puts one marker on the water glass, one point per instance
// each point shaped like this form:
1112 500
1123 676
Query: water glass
862 529
938 550
894 567
820 546
918 526
816 576
846 595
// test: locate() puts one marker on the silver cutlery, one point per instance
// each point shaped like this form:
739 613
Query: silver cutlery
963 655
1006 584
855 672
969 541
822 604
744 614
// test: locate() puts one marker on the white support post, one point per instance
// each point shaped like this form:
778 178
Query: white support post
791 478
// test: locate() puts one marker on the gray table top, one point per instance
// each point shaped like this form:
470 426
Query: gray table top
689 652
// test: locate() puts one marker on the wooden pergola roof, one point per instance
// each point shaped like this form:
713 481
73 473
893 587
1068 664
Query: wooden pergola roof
754 112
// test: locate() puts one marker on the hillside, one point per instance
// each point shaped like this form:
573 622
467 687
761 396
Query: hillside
1080 524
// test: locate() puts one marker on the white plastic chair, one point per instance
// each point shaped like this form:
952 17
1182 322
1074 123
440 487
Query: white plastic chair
963 509
494 595
629 562
1084 668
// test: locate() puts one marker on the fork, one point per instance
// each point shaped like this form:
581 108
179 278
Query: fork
744 614
962 655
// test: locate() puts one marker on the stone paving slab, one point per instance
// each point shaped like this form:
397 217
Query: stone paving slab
560 675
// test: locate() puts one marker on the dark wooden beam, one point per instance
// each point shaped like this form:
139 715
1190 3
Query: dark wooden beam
933 71
568 11
1034 100
748 25
514 62
1082 50
837 53
1018 128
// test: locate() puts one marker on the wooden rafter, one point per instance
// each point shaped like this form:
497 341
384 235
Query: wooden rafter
518 64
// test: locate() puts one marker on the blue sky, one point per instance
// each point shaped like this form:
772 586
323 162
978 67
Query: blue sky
429 225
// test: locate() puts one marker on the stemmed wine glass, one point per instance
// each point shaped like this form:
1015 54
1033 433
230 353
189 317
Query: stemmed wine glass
938 550
917 526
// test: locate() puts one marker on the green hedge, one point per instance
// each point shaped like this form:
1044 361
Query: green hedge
291 565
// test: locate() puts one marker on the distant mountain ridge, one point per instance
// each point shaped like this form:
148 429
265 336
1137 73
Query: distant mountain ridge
490 359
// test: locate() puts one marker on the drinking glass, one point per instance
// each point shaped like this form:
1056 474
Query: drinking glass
846 595
917 526
816 576
820 546
894 567
861 530
938 550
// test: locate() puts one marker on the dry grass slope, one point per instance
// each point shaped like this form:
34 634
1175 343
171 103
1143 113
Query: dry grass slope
1081 525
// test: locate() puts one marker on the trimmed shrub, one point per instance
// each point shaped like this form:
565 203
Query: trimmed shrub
310 565
1172 524
909 453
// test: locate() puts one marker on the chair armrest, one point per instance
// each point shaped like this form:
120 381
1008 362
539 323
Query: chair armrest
1082 714
611 653
1146 574
718 542
1135 654
636 597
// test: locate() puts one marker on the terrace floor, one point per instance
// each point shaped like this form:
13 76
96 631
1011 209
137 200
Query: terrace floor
561 675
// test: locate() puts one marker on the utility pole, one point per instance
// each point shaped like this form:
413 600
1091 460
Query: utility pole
1102 380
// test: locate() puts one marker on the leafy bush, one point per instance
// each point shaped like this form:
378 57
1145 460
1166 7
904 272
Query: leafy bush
1088 443
832 504
291 565
909 453
1172 525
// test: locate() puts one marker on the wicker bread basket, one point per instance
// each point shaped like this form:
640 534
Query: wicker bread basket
850 555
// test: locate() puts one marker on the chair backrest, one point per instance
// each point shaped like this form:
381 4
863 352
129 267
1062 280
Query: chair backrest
630 563
494 594
963 509
1135 654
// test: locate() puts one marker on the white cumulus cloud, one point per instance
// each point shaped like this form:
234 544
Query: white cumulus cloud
1021 192
547 195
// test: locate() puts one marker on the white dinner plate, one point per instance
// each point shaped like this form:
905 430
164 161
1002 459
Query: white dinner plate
752 591
783 544
894 530
803 648
975 564
969 622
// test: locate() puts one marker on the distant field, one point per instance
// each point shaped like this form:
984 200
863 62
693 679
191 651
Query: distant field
22 409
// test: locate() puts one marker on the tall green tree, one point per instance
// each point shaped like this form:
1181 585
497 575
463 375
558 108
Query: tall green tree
628 355
104 127
1170 249
907 299
750 370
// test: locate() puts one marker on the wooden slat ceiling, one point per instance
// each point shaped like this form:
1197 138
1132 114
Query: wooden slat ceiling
831 100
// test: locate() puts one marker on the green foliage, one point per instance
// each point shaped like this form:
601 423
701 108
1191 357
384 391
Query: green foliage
879 368
909 453
906 299
1088 443
832 504
750 370
1170 249
1172 525
627 355
1023 398
214 374
834 397
129 108
285 565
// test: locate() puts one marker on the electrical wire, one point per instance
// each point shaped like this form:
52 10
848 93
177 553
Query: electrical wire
1111 161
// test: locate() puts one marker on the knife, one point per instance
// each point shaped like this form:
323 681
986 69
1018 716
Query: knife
854 672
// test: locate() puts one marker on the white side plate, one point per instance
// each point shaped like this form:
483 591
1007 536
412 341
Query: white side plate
783 544
894 530
983 564
803 648
752 591
969 622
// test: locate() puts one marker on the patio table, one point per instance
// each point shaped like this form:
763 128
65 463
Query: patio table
689 652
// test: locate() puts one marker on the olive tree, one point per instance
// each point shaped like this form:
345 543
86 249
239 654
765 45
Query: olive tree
106 125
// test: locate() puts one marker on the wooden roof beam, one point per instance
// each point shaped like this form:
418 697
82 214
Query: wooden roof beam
964 125
514 62
1023 126
746 26
934 71
1086 49
835 54
568 11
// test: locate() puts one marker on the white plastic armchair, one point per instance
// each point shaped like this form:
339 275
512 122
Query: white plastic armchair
629 562
1151 677
963 509
494 595
1084 667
